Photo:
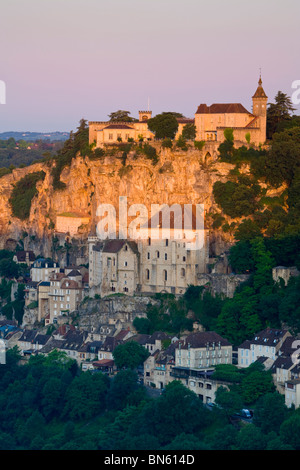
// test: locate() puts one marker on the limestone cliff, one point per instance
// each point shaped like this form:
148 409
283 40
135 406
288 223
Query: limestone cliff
183 177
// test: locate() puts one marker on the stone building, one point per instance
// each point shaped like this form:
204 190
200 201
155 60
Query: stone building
70 222
210 122
107 132
265 343
167 254
65 293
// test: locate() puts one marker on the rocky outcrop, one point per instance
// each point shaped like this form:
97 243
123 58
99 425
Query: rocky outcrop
179 177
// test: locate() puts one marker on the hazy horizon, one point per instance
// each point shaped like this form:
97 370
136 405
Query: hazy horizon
62 61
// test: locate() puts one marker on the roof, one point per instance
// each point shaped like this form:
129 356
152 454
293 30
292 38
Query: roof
28 336
185 121
42 339
158 335
118 126
222 108
21 255
269 337
282 363
104 363
204 338
114 246
142 339
51 345
260 92
74 273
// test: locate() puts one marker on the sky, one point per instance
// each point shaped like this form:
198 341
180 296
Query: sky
63 60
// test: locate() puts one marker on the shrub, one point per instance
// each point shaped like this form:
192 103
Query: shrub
23 193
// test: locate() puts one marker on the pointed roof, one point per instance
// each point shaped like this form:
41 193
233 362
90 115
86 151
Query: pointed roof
260 92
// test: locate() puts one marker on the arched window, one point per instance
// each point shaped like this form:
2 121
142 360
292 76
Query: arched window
157 254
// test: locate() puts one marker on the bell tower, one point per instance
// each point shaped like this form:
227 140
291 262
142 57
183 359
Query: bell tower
260 100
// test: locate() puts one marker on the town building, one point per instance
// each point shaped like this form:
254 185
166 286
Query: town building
42 269
167 256
107 132
265 343
65 293
24 257
210 123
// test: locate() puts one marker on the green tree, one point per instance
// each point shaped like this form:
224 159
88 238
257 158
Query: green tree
164 125
121 116
251 438
255 385
290 431
85 397
189 131
283 160
130 355
270 412
124 390
278 112
230 402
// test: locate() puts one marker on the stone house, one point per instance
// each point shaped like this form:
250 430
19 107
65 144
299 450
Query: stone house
195 359
265 343
42 269
24 257
107 132
65 294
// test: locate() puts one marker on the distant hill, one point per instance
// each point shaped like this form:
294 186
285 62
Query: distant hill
32 136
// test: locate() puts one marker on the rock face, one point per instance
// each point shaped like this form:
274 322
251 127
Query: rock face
178 178
113 310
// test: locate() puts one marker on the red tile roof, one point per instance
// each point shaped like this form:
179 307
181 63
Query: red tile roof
222 108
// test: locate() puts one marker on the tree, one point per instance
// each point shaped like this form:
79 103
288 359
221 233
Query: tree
85 396
121 116
240 258
283 160
290 431
277 112
164 125
251 438
130 355
270 412
256 384
124 390
229 402
189 131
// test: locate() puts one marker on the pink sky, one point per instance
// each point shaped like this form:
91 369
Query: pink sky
63 60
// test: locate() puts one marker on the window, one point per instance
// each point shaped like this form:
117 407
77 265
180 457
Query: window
166 256
167 242
147 274
182 272
110 136
165 275
157 254
148 255
125 263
